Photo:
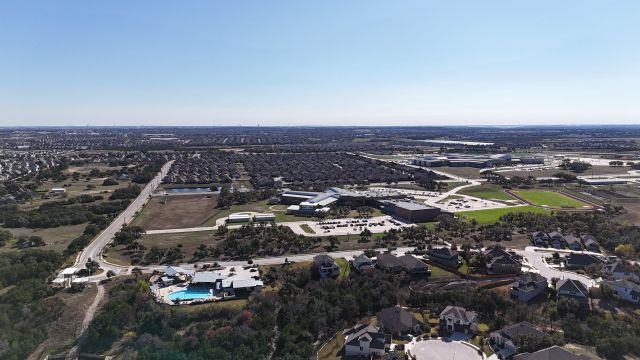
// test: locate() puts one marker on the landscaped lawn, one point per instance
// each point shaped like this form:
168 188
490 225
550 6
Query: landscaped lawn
345 268
440 272
487 191
307 229
490 216
549 198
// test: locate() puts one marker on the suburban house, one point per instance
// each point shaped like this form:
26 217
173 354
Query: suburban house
445 256
502 262
581 261
362 264
556 240
397 321
326 265
573 242
414 266
572 289
540 238
365 340
505 340
528 286
624 289
620 270
389 262
458 319
551 353
590 243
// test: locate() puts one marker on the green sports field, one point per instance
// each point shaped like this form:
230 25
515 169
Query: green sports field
491 216
551 199
487 191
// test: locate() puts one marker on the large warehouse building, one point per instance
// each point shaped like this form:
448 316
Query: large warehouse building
412 211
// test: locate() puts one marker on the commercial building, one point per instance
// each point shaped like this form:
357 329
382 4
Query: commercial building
477 161
411 211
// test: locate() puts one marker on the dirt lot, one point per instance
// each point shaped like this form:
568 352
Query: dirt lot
180 211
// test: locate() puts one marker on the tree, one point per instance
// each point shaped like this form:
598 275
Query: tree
110 274
333 241
5 235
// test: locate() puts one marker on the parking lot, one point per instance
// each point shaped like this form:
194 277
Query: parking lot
465 203
347 226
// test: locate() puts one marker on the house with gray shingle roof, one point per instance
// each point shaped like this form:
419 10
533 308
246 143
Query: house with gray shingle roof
572 289
365 340
397 321
505 340
458 319
624 289
551 353
528 286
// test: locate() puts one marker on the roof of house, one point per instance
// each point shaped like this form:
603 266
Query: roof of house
443 252
554 234
396 319
587 237
459 313
361 259
323 259
531 277
241 283
412 262
388 260
570 239
366 333
521 329
173 270
207 277
624 283
551 353
583 259
507 260
573 285
539 234
495 252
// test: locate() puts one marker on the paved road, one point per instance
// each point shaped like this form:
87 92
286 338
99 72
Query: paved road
535 257
94 250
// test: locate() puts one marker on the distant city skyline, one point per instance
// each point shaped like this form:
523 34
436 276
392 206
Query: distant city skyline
329 63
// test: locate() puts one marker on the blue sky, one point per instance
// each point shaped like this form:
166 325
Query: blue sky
117 62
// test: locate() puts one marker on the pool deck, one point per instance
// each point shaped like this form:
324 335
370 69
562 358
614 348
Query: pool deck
161 295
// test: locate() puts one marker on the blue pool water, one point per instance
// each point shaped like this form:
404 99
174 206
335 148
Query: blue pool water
189 190
189 294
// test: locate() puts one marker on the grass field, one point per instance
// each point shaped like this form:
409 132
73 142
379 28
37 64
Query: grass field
551 199
487 191
54 238
180 211
490 216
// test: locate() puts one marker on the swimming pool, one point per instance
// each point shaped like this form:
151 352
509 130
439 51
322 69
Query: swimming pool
189 294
